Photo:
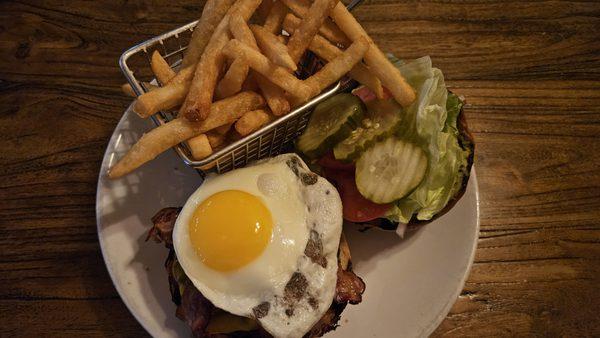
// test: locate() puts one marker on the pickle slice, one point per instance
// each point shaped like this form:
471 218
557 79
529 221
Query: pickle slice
384 117
332 121
390 170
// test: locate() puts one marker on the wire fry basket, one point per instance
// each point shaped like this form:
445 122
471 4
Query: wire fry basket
270 140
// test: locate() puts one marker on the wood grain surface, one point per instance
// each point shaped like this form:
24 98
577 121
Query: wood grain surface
530 71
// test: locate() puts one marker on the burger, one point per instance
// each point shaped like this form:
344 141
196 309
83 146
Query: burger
393 166
259 252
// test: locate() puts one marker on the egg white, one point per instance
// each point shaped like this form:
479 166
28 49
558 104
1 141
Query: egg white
296 209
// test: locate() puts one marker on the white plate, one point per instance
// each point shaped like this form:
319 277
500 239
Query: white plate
411 282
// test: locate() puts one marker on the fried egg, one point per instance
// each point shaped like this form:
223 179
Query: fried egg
261 242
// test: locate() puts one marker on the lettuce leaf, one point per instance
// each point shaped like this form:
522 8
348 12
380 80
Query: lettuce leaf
431 122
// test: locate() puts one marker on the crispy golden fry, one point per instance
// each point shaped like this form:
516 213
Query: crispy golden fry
252 121
275 18
128 90
298 7
305 32
378 63
338 67
161 69
241 31
325 50
173 94
200 147
215 139
149 86
232 81
278 75
212 14
329 30
274 95
170 134
162 98
183 76
197 103
199 97
273 48
238 71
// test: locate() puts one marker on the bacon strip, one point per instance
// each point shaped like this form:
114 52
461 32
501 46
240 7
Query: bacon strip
349 287
195 310
164 222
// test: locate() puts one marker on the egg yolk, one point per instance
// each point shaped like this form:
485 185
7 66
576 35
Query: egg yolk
230 229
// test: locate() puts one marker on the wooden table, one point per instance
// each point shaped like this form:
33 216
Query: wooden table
530 71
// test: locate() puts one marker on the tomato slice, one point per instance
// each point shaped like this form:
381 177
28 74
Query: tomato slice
329 162
356 208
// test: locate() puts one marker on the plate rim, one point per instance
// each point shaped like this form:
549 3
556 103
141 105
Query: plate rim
448 306
426 331
101 174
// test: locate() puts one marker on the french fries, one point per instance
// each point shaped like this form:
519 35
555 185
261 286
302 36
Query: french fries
163 98
273 48
176 131
238 71
184 76
173 94
275 18
276 74
198 100
215 139
210 24
306 31
233 79
212 14
378 63
200 147
274 95
200 94
339 66
329 30
325 50
252 121
258 58
161 69
241 31
128 90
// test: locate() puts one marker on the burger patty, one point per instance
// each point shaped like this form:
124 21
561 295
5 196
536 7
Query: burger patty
196 310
